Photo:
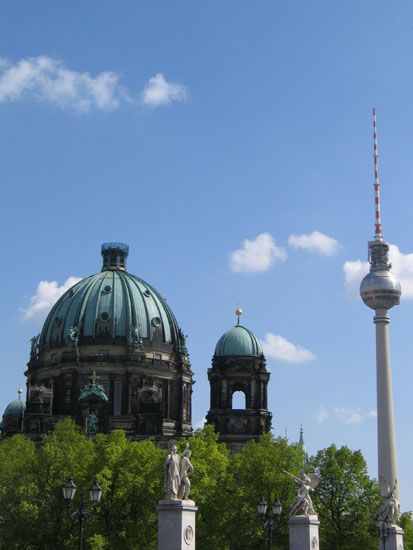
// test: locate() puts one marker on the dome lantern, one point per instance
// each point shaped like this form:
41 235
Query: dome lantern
114 256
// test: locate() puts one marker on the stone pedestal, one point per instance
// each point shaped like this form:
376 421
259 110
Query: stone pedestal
394 540
176 525
304 533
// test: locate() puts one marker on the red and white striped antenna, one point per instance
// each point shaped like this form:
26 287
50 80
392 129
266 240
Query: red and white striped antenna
378 230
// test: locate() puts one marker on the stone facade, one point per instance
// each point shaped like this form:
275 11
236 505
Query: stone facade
246 374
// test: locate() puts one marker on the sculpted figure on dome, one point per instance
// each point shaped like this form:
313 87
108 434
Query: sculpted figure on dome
135 340
34 347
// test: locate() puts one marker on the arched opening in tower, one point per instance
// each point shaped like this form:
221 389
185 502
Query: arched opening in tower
238 400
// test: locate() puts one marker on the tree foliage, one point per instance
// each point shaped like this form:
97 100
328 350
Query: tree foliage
346 500
226 488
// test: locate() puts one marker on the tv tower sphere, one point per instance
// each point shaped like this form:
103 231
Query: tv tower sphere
380 289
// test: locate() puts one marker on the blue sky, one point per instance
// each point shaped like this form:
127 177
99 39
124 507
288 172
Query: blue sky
186 129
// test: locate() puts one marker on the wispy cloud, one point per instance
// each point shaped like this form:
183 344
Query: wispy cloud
402 269
314 242
321 415
278 348
345 415
348 415
47 79
257 255
159 91
47 293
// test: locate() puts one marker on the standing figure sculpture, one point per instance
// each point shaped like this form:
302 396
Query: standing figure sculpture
177 471
172 474
185 471
303 506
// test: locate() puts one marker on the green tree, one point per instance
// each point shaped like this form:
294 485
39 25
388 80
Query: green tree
131 475
19 505
210 487
346 500
256 472
407 525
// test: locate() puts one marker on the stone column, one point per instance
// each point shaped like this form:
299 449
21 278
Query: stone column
304 533
176 525
394 539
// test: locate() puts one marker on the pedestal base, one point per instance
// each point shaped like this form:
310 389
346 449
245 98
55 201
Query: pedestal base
176 525
304 533
394 540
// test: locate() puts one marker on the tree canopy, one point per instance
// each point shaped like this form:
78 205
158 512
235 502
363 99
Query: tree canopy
226 488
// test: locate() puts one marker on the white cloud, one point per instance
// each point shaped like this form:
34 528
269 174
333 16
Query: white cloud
47 293
278 348
402 269
348 415
314 242
159 91
257 255
48 79
321 415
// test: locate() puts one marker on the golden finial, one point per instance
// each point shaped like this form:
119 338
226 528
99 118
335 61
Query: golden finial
238 313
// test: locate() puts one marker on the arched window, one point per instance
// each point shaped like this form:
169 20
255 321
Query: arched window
238 400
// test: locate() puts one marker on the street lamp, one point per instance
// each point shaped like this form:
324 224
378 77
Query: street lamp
82 515
383 530
269 517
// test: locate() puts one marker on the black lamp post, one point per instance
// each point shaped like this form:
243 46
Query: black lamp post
269 516
82 515
383 530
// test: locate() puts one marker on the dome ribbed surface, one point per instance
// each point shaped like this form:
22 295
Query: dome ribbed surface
109 306
238 341
16 407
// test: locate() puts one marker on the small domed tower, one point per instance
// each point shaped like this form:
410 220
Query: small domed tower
118 329
13 415
238 379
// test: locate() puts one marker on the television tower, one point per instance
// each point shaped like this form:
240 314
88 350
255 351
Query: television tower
380 291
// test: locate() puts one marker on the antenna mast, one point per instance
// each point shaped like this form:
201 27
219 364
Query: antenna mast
378 230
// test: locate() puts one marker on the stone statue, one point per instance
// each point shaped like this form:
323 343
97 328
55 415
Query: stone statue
135 340
389 506
91 422
177 471
172 474
34 347
185 471
303 506
73 340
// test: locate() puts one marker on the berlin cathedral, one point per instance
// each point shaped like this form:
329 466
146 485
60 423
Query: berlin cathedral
111 355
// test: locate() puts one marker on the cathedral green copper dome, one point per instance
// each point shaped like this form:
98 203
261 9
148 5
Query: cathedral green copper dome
16 407
239 341
111 307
